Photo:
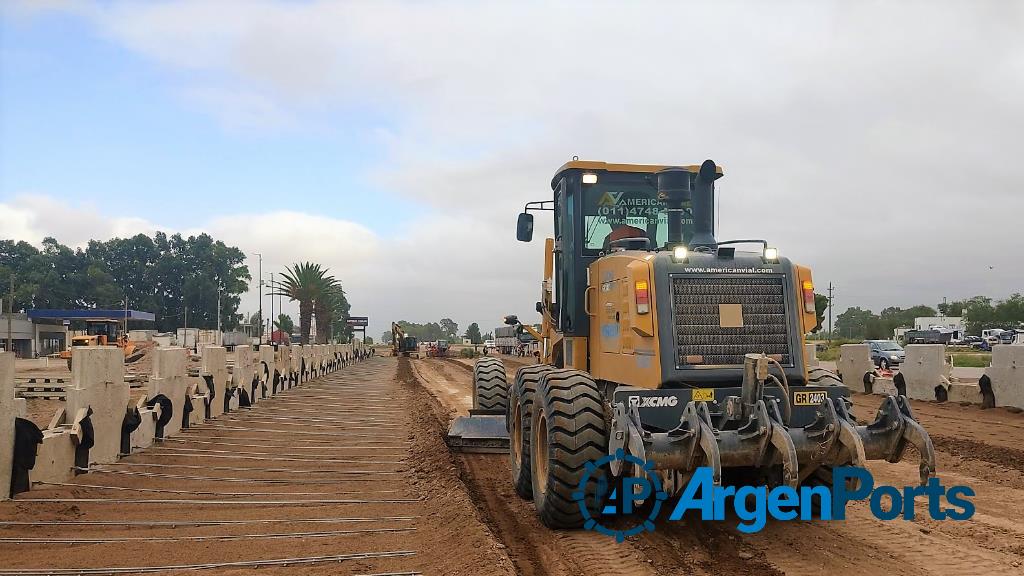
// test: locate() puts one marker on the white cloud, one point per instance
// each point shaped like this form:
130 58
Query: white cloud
875 142
414 275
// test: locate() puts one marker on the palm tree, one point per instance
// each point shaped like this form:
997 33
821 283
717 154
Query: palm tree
307 283
330 309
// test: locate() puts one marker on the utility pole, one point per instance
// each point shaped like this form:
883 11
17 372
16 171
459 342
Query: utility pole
271 307
829 312
10 314
184 344
259 291
220 338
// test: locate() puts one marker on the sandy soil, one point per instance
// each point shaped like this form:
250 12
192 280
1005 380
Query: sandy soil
372 437
982 449
360 451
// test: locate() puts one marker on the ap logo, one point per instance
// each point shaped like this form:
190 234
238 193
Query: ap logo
622 498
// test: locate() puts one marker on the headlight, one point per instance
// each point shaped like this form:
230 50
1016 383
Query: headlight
771 254
679 253
590 178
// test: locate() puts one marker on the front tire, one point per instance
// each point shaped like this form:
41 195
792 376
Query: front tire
568 431
490 386
518 421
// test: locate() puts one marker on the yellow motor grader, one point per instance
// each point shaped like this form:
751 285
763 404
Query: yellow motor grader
680 349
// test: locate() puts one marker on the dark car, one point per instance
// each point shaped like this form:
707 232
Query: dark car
885 353
1009 336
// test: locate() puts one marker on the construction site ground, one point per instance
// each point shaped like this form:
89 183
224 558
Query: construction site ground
354 465
983 449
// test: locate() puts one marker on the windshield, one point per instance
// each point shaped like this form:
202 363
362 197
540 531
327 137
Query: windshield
889 345
613 211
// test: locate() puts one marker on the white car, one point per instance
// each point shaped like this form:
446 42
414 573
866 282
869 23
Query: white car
489 344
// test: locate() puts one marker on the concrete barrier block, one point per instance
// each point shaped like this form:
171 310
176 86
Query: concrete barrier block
811 355
854 362
145 434
21 407
8 412
923 370
97 383
964 393
169 379
884 387
197 392
243 372
265 368
55 457
214 368
1007 375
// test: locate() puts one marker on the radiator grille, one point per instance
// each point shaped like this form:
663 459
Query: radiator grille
697 326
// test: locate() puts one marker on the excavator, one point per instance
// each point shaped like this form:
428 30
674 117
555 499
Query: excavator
402 344
104 333
664 343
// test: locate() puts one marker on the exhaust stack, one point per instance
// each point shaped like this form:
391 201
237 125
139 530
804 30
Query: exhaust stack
676 187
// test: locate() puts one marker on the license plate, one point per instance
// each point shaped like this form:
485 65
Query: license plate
808 398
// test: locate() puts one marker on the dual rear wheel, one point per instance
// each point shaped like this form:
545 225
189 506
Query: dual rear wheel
556 424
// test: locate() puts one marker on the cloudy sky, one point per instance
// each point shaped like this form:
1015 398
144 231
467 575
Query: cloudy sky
395 142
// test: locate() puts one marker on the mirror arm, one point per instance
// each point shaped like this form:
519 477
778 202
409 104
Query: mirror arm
539 205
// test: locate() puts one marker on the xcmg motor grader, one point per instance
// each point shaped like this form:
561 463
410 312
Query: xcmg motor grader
677 348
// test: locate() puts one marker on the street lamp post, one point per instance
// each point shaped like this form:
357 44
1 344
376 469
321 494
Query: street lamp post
259 291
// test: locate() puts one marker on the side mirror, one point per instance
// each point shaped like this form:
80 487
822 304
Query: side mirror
524 227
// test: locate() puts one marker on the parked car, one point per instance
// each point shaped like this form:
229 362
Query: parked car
1010 336
886 353
970 340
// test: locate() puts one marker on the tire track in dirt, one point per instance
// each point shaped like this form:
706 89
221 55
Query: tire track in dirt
534 549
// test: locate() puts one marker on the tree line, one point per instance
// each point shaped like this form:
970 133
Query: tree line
443 329
980 312
162 274
170 276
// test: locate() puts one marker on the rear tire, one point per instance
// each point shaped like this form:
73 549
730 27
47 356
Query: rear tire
518 420
822 377
490 387
568 431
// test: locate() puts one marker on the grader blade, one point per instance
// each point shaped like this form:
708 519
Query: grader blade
480 432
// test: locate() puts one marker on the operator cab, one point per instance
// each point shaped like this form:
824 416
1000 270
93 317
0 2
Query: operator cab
710 302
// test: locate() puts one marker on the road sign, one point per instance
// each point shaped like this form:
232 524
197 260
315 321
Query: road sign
358 321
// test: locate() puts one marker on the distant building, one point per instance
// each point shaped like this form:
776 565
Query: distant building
33 338
954 324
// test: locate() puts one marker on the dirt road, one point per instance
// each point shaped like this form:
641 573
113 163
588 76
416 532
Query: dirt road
981 449
353 466
350 466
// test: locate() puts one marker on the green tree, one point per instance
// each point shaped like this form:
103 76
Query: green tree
255 323
160 274
855 323
449 327
386 336
332 311
820 307
306 283
368 340
284 323
473 333
487 337
955 308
